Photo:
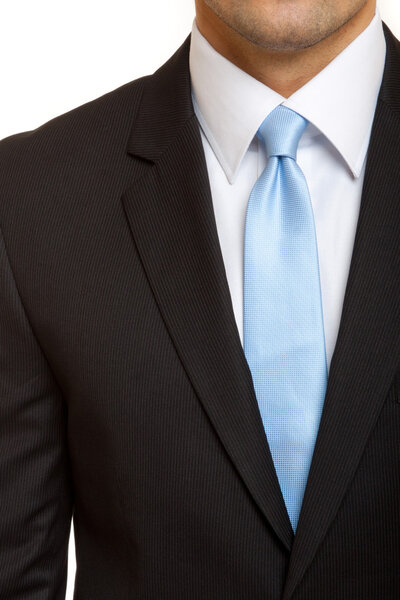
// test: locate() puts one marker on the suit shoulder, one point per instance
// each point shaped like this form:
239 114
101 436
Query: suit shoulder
100 121
61 163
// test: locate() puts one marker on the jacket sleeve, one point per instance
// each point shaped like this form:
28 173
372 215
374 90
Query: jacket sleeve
35 488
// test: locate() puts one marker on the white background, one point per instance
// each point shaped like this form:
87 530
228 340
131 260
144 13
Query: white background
58 54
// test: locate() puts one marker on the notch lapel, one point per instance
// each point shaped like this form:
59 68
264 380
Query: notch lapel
170 213
368 345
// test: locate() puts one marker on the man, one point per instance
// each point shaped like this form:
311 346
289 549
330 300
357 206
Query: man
130 392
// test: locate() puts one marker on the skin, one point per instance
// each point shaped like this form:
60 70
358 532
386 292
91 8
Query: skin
282 43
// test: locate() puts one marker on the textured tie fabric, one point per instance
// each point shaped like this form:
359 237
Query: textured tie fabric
283 332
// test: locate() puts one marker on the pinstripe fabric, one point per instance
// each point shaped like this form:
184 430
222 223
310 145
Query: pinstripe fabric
126 399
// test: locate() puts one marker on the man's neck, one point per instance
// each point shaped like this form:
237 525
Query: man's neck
284 72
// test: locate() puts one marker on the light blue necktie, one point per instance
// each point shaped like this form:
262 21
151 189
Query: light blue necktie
283 325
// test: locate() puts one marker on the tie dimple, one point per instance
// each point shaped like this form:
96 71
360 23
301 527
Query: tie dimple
281 131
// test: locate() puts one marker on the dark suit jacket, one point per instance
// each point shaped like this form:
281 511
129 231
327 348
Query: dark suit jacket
126 399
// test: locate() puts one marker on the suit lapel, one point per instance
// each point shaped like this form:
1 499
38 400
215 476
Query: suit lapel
169 209
368 345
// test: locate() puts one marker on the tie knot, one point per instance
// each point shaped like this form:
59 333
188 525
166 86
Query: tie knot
281 131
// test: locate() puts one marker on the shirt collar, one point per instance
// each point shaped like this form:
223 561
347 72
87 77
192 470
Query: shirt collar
339 102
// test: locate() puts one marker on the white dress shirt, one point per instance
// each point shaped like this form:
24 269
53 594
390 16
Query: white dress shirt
339 104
